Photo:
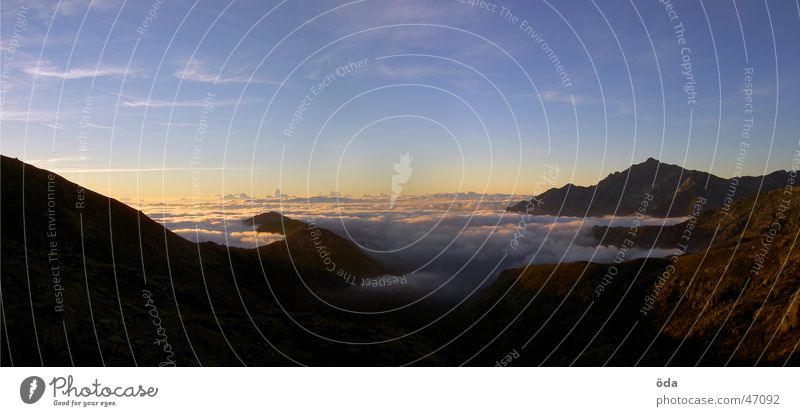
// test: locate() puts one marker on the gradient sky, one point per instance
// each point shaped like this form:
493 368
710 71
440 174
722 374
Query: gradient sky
90 92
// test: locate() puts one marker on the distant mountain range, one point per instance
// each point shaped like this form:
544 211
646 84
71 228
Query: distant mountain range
673 189
86 280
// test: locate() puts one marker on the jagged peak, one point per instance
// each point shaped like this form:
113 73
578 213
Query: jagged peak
650 162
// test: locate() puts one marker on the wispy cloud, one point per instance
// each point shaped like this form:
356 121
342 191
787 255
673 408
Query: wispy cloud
407 11
62 7
98 126
155 169
197 70
164 103
561 97
623 106
32 116
47 71
411 71
56 160
174 124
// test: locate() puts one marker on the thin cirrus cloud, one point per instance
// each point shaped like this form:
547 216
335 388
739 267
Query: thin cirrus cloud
65 7
155 103
78 73
133 103
196 71
14 115
162 103
413 71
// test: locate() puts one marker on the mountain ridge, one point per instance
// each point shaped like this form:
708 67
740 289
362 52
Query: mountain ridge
673 190
731 299
220 305
86 289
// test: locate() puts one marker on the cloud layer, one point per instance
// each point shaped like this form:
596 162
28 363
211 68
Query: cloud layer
450 244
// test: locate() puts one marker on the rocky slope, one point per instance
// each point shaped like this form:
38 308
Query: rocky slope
87 280
733 300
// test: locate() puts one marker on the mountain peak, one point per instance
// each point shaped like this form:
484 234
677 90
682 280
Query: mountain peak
305 241
651 161
274 223
673 188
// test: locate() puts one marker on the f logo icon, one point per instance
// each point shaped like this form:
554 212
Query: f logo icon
31 389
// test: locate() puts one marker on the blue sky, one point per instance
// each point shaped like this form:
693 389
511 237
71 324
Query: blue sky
201 101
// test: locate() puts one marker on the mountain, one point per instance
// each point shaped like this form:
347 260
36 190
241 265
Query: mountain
739 223
673 189
87 280
317 248
732 301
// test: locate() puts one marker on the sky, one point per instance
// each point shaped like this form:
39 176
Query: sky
166 100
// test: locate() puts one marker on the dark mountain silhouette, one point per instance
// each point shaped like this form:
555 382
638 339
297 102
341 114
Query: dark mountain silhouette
309 246
674 190
87 280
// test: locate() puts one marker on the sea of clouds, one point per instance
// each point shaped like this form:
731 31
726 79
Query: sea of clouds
440 242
